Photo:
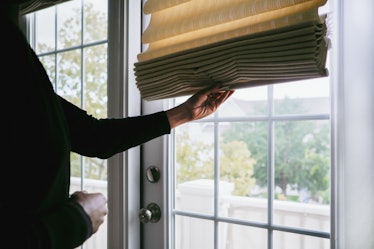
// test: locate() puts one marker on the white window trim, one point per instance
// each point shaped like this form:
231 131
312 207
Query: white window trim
124 34
354 122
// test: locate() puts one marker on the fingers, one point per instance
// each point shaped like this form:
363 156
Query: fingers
214 92
217 98
225 96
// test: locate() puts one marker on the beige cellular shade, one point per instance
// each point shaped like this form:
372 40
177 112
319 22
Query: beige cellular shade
235 42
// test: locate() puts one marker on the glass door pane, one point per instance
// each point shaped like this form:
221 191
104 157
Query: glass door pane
260 164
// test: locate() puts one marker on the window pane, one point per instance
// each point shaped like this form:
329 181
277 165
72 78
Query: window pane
45 31
243 237
302 215
296 241
95 81
194 167
69 76
302 174
302 161
48 62
192 233
69 24
308 97
95 20
243 163
75 167
246 102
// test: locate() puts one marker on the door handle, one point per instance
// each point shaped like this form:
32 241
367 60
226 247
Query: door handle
152 213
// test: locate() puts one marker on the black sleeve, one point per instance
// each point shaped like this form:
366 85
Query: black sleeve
66 226
73 226
105 137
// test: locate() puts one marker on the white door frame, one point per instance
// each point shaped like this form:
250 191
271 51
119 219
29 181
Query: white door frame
124 34
155 153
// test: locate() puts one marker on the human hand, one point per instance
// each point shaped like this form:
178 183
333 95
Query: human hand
94 205
200 105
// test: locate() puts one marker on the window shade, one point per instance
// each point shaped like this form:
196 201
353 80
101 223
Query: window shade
238 43
34 5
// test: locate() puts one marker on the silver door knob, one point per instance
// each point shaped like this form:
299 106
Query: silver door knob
152 213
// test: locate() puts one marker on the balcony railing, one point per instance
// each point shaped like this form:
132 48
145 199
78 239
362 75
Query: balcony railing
198 196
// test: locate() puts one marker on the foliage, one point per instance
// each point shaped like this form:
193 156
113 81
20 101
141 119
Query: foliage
301 152
236 165
195 160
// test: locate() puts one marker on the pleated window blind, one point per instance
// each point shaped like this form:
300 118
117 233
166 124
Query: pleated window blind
29 6
238 43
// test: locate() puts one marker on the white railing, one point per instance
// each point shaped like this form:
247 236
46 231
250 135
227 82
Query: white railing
198 196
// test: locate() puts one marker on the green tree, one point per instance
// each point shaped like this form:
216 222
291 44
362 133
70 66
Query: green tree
195 160
236 166
316 177
254 135
301 151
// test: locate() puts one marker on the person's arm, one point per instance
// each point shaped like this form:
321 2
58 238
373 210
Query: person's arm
105 137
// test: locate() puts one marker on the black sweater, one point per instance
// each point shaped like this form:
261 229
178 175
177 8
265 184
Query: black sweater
39 130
